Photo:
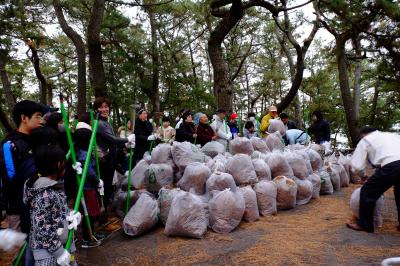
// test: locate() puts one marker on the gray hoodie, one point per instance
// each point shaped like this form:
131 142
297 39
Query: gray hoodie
48 212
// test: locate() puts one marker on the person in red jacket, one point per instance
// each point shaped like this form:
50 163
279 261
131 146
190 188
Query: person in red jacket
205 133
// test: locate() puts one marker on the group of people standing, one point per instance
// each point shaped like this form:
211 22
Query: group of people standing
38 181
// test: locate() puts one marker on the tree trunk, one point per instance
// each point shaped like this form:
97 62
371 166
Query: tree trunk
96 67
351 118
298 77
80 52
36 65
374 103
357 78
155 61
222 82
6 86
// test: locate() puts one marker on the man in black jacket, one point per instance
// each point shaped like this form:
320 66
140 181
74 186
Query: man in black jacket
144 134
289 124
320 128
17 164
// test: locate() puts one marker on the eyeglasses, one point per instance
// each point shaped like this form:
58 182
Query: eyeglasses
40 117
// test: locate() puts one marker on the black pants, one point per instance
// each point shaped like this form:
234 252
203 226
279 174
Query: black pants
383 179
85 229
107 170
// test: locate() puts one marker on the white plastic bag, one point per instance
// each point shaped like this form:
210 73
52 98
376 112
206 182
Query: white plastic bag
315 160
213 148
298 165
275 142
142 216
226 211
220 181
251 213
326 183
259 145
162 154
166 196
266 192
286 193
138 174
262 169
185 153
194 178
157 176
241 145
378 211
304 191
316 182
279 165
241 168
187 216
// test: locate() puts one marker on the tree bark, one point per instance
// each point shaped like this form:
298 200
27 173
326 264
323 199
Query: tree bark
357 78
341 59
96 67
300 66
10 100
34 58
5 119
155 61
292 68
374 103
80 52
222 82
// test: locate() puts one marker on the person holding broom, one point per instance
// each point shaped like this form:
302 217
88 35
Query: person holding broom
107 143
94 186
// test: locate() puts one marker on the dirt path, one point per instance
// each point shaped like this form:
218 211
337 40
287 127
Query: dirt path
311 234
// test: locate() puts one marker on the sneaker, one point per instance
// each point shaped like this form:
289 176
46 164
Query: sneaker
99 236
90 243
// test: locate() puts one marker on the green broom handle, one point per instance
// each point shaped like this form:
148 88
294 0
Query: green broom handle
83 180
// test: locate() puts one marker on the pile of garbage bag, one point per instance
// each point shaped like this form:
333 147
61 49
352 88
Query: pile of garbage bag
188 189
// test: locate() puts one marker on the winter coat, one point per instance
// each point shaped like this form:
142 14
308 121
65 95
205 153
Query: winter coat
234 129
13 182
91 176
107 141
321 131
204 134
222 131
143 129
185 132
265 121
48 212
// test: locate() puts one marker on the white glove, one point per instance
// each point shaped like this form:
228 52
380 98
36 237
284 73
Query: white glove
10 239
129 145
100 187
77 167
74 219
64 259
151 137
229 136
157 136
132 138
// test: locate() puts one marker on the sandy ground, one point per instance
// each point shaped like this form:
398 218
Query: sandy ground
314 234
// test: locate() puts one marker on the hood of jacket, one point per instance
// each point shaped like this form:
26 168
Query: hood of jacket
41 184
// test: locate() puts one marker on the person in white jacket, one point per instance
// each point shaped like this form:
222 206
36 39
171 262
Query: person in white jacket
221 128
382 151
